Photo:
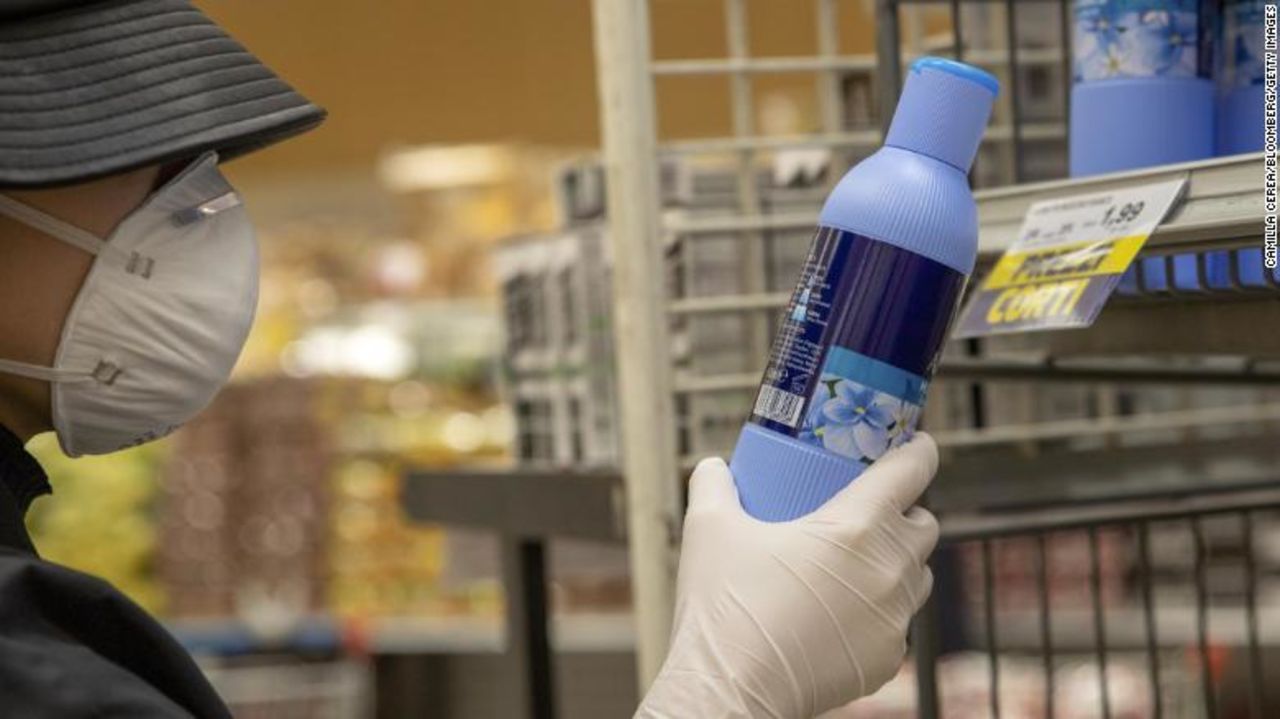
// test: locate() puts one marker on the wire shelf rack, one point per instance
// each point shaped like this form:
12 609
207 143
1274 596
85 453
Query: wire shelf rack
1172 579
1139 398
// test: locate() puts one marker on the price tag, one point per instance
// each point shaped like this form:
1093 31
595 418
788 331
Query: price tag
1067 260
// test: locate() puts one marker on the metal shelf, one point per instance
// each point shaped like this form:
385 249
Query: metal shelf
1041 368
1064 459
1176 627
577 632
223 636
866 63
613 632
1222 209
866 139
1215 324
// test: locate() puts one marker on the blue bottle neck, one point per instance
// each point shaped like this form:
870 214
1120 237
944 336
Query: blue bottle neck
911 200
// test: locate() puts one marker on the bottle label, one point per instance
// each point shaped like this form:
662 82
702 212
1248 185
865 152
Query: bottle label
851 362
1242 40
1144 38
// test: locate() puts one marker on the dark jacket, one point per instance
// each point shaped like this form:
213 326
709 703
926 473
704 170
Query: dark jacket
71 645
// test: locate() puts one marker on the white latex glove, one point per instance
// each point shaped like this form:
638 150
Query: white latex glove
790 619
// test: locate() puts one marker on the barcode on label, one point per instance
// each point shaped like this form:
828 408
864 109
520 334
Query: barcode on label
779 406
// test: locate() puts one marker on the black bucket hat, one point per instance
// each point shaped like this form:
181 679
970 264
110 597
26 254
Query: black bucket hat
90 88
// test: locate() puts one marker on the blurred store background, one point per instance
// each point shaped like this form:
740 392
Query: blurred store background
436 297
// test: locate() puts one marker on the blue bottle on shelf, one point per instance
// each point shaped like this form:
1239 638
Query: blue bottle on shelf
1217 269
1142 92
1143 96
895 244
1240 76
1251 271
1129 284
1240 116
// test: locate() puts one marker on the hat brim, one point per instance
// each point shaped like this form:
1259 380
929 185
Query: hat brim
113 86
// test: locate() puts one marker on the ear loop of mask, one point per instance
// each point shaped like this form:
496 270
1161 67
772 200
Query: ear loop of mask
49 374
68 233
52 226
76 237
106 372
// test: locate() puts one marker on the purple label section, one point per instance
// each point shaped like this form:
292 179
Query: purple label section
858 298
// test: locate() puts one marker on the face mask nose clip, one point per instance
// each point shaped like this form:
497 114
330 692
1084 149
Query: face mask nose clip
107 372
207 209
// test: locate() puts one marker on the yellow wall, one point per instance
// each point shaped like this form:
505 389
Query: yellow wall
395 72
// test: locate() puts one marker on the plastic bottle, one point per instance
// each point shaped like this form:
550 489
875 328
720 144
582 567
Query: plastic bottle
1143 96
1142 92
896 242
1252 272
1240 77
1240 116
1129 284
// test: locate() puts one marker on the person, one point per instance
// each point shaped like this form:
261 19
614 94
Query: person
128 278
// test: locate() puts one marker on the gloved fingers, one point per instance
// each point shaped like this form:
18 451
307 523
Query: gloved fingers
711 487
926 588
896 480
921 532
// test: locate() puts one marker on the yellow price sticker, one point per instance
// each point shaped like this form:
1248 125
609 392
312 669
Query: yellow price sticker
1089 259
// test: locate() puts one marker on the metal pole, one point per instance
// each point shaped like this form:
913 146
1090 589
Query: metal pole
640 322
989 611
888 60
1046 621
1207 687
830 90
1015 105
926 644
1256 676
1100 647
528 639
752 260
1149 618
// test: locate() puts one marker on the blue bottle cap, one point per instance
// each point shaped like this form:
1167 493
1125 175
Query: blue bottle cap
959 69
943 110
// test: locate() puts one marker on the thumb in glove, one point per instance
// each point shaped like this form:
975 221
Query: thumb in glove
790 619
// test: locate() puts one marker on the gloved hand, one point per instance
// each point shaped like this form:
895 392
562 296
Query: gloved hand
787 620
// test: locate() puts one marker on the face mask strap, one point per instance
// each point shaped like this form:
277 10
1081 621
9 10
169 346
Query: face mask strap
53 374
52 226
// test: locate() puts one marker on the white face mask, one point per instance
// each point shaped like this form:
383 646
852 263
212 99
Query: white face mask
161 318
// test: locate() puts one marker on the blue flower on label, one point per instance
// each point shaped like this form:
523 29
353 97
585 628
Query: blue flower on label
1151 40
857 421
1101 29
1160 42
811 428
1097 38
905 416
1096 57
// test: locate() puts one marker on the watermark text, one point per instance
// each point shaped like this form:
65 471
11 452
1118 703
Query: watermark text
1269 201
